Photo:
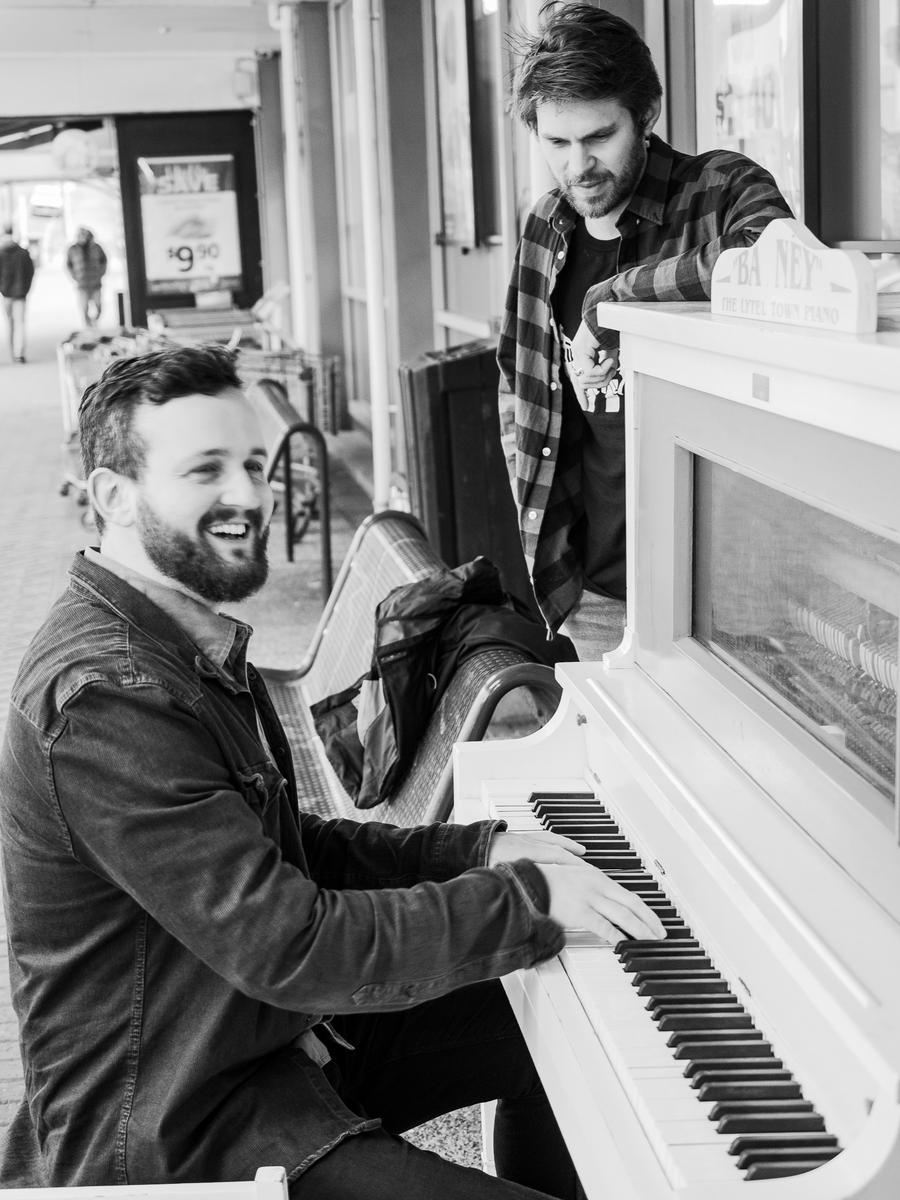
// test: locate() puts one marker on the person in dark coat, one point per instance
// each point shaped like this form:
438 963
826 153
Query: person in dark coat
16 274
86 263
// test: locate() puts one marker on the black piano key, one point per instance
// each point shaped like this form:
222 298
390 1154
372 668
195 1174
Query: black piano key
604 861
625 951
584 802
729 1061
600 833
800 1141
678 1000
654 949
580 824
779 1170
709 1021
700 1051
653 977
647 964
719 1037
627 944
799 1122
671 1006
562 824
725 1108
747 1089
605 855
588 809
578 829
814 1156
710 984
598 839
715 1061
672 951
757 1071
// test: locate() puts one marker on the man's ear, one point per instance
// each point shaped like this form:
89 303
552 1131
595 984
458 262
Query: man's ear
651 118
113 496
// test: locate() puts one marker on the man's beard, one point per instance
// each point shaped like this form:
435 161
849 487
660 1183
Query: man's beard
617 188
196 565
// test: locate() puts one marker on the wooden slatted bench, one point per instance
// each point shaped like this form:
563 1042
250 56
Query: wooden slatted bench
390 549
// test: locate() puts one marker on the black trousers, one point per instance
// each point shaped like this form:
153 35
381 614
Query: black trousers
408 1067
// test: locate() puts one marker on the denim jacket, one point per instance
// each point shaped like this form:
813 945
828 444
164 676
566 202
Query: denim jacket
176 925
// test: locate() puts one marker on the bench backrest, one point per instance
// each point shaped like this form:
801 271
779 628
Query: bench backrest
276 416
389 549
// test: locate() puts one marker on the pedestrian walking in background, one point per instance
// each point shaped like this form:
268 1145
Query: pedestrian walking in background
16 274
86 263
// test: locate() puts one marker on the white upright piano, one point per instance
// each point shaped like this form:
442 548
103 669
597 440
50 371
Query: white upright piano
741 746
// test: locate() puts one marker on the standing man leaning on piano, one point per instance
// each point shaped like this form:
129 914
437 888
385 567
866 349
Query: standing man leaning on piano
632 219
178 925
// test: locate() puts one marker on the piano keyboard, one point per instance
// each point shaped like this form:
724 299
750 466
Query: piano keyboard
712 1094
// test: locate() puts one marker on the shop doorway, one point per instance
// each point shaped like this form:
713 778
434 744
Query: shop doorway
57 175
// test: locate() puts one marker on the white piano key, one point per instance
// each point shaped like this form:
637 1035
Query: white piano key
697 1132
701 1164
662 1088
668 1107
676 1122
677 1107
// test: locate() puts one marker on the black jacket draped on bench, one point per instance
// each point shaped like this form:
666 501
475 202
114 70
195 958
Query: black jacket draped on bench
424 631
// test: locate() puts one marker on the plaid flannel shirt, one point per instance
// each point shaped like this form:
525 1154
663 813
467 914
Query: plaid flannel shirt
684 212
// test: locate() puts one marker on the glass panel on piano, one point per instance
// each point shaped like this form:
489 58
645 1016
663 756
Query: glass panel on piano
803 604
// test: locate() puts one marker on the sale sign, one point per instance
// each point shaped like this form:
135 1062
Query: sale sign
190 223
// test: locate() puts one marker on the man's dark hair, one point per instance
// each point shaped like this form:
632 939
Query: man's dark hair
106 411
584 53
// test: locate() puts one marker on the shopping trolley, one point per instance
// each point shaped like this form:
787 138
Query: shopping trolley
81 359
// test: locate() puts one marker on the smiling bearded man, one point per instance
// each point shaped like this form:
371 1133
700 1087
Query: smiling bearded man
179 922
176 470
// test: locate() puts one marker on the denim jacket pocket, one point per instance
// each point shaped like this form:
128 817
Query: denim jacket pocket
262 784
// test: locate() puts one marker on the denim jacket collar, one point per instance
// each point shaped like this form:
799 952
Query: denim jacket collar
175 618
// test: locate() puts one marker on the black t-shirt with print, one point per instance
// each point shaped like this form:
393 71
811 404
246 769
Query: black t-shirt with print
600 536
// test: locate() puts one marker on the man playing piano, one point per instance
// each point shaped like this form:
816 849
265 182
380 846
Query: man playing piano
178 925
631 219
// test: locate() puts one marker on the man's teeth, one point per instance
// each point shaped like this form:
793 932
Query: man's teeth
229 529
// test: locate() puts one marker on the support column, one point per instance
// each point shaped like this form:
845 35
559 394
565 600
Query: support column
366 28
305 328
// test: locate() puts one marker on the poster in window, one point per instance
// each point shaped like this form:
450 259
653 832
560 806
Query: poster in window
749 80
189 216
